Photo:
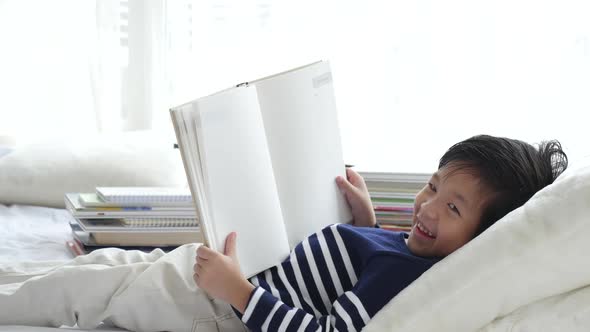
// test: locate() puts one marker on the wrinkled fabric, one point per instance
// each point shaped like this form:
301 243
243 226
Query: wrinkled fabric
130 289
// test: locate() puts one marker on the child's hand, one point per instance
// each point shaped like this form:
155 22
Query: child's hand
219 274
357 196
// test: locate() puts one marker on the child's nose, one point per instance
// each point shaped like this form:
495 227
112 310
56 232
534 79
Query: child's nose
428 210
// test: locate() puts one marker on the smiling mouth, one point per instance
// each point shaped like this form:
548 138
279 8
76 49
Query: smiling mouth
423 230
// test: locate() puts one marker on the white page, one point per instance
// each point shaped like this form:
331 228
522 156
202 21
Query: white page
301 124
240 186
184 121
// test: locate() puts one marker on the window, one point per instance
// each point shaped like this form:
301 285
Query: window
411 78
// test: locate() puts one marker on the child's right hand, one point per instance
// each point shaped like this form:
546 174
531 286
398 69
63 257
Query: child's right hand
219 274
357 195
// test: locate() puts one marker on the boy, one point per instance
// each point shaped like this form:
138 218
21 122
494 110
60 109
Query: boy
337 278
340 277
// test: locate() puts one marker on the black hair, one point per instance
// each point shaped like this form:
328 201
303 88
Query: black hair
512 170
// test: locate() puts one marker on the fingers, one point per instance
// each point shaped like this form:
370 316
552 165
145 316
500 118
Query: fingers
230 245
196 279
355 178
198 270
198 267
205 253
201 259
345 185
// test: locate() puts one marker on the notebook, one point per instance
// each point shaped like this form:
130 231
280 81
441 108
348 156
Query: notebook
160 239
139 225
144 195
160 222
77 210
93 200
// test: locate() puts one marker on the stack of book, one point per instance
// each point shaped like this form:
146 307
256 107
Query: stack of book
392 195
132 218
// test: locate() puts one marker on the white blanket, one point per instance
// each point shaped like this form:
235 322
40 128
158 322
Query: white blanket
130 289
35 235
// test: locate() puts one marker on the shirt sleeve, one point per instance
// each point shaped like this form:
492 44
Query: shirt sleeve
350 312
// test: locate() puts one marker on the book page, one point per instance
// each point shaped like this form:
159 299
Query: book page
183 119
301 125
240 188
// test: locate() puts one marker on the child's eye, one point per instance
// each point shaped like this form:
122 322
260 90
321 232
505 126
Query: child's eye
453 207
431 186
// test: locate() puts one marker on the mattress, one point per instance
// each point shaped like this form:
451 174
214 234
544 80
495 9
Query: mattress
31 233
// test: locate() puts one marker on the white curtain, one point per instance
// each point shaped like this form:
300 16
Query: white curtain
74 67
411 77
45 83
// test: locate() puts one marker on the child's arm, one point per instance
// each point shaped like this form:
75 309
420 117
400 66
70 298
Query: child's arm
357 195
381 280
219 276
349 312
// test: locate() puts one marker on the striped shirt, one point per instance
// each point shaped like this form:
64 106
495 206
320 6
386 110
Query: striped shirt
336 279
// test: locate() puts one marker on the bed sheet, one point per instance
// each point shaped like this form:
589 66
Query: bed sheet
32 233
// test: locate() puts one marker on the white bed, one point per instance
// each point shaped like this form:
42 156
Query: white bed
529 272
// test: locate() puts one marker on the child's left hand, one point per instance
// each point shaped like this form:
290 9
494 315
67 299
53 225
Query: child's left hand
219 274
357 195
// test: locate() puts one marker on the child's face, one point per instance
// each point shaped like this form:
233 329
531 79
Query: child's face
447 212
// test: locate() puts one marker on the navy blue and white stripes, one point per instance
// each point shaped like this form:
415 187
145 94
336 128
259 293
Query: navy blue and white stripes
336 279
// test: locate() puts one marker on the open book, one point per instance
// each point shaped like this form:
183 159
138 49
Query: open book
261 159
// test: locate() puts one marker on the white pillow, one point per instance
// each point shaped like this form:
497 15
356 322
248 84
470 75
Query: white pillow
41 173
536 251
